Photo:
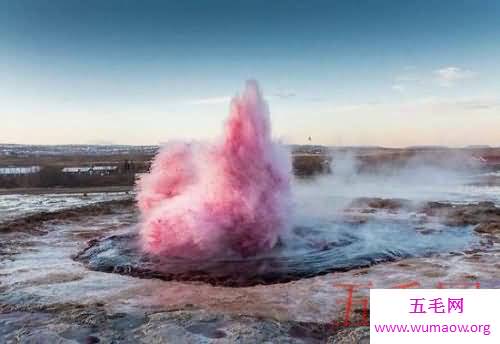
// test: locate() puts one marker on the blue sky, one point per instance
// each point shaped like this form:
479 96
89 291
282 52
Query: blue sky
392 73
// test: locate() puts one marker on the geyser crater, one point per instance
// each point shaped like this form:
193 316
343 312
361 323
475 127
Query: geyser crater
308 252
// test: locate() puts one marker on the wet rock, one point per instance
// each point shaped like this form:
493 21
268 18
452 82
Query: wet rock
425 231
488 228
463 214
43 336
201 326
484 213
311 332
351 335
91 340
79 334
26 327
356 219
307 165
206 330
380 203
12 322
67 322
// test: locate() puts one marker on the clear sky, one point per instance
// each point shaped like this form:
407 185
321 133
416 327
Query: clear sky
392 73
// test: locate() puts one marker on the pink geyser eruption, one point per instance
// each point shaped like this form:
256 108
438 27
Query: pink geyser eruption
230 197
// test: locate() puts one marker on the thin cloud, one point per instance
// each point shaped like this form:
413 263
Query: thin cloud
449 76
480 104
424 105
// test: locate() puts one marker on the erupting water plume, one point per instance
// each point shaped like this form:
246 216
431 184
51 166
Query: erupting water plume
232 196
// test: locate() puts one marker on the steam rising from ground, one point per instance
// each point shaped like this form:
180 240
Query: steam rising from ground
418 178
323 201
202 200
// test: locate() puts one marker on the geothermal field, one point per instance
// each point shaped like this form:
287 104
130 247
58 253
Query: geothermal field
239 240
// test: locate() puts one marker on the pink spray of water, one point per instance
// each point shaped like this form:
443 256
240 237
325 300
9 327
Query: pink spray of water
230 197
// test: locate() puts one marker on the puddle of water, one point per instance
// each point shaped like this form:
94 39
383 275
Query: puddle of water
17 205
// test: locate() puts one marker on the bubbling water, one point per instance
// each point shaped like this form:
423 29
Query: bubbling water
230 197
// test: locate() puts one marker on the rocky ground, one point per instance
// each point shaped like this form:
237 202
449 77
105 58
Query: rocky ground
48 295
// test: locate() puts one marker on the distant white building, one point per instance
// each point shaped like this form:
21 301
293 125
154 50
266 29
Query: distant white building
81 169
90 169
19 170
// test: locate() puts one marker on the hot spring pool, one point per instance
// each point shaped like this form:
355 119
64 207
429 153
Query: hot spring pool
306 252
